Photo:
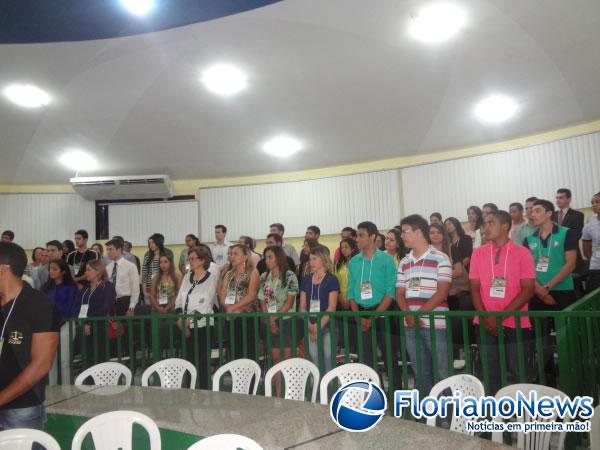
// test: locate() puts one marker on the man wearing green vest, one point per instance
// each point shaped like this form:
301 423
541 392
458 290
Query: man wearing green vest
554 250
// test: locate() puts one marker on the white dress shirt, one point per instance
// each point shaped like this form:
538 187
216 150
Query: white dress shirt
201 297
219 252
128 280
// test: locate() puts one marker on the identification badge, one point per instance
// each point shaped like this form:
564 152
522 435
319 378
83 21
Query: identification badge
187 267
498 289
542 264
83 311
219 259
414 287
163 299
366 291
272 306
315 305
230 299
76 268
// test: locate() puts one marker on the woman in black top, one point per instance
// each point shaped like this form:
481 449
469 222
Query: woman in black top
462 245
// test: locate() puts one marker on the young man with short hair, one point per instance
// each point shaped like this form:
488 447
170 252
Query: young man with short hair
221 246
81 256
125 277
7 236
313 232
516 214
528 227
274 239
289 249
423 282
502 278
29 326
591 245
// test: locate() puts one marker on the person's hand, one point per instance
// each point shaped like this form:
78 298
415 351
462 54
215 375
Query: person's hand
365 324
312 329
274 327
490 325
188 333
87 329
548 300
409 321
129 312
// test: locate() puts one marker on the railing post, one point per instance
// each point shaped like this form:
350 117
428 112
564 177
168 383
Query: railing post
155 336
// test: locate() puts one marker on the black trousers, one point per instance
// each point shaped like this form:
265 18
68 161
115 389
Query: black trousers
593 280
199 346
122 305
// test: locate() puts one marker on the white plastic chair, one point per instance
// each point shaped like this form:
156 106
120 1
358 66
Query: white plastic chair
295 372
469 386
595 429
345 374
114 430
170 372
226 442
23 439
243 371
105 374
532 440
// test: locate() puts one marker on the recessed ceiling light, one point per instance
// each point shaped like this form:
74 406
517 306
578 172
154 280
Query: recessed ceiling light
138 7
437 22
282 146
224 79
27 95
78 160
495 109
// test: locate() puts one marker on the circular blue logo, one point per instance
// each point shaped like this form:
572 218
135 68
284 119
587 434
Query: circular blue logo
358 406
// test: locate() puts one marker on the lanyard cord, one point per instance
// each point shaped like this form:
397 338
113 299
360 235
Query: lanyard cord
8 317
362 271
505 259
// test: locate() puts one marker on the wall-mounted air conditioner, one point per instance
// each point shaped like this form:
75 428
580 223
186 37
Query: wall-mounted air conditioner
123 187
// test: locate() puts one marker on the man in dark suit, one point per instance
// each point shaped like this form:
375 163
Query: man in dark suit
570 218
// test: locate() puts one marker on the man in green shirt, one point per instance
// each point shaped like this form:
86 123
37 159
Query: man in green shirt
372 287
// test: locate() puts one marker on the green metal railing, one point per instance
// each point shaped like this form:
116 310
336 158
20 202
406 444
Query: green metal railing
148 339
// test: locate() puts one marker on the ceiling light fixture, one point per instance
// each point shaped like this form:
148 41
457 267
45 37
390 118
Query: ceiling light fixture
282 146
27 95
495 109
138 7
78 161
437 22
224 79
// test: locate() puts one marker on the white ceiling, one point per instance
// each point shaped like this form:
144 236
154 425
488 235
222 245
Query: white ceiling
341 75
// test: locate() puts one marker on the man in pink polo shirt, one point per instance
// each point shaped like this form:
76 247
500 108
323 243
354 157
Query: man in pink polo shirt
502 278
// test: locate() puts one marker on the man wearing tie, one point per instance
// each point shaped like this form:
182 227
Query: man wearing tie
566 217
125 277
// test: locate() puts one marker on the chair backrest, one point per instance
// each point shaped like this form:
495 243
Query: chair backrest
532 440
225 442
595 429
243 371
171 372
105 374
24 438
347 373
295 373
114 430
469 386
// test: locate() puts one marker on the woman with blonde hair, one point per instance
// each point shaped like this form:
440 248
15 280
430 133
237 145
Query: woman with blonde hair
319 293
237 294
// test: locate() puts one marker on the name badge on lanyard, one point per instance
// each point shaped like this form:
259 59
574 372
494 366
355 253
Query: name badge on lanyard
315 305
542 264
498 289
414 287
366 291
83 311
163 299
230 298
76 268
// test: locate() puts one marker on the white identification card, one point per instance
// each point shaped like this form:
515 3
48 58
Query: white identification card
498 289
163 299
413 289
366 291
75 269
542 264
83 311
230 299
187 267
272 305
315 305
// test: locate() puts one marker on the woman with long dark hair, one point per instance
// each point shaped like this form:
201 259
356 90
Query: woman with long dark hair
394 245
304 268
461 245
348 249
475 218
151 264
68 246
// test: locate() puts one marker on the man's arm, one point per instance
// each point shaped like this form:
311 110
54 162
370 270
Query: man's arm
527 291
587 249
134 280
43 350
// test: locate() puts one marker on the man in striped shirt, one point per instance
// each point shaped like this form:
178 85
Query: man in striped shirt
422 284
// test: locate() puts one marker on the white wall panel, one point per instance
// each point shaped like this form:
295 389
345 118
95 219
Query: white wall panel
330 203
450 187
39 218
136 222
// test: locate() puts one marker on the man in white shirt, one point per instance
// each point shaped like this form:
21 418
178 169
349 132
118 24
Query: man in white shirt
289 249
124 275
221 246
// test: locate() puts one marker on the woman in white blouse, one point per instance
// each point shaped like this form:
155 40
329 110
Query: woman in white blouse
197 295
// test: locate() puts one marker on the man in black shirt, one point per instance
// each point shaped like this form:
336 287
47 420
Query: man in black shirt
80 257
274 239
29 329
